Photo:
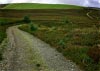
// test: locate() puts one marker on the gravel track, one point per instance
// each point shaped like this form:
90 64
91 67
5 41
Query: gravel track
89 16
28 53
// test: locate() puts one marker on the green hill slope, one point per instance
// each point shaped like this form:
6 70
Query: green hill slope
40 6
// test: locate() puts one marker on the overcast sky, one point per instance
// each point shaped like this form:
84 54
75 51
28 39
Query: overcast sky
92 3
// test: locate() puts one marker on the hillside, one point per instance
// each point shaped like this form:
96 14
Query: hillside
40 6
3 5
71 30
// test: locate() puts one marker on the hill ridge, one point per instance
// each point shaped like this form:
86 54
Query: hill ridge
40 6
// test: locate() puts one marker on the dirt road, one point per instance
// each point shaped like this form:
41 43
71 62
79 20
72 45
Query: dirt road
28 53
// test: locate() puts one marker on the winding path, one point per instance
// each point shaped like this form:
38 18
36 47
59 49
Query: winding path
28 53
89 16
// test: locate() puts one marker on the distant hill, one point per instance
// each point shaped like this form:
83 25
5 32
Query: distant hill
40 6
3 5
94 8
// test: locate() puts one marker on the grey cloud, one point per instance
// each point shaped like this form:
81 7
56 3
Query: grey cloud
94 3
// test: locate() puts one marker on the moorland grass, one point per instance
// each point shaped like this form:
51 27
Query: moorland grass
69 39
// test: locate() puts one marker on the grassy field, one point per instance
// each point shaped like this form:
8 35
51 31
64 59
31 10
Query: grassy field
40 6
73 37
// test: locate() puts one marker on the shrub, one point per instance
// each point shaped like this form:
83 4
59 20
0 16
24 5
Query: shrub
2 23
26 19
65 20
32 27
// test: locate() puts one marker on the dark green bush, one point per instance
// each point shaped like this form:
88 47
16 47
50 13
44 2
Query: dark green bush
32 27
26 19
2 23
66 21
